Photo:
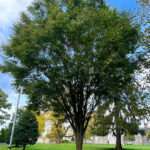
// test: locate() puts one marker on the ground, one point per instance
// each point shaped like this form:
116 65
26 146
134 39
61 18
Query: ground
72 147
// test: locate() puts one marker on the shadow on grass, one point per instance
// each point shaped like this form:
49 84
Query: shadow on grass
114 149
104 148
131 149
108 149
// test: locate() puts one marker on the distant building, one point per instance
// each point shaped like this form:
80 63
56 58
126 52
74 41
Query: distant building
43 138
108 139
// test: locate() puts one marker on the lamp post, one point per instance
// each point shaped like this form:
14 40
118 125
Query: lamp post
14 119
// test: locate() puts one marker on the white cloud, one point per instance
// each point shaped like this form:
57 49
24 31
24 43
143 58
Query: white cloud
10 11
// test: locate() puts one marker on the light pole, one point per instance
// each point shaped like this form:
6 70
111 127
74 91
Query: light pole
14 119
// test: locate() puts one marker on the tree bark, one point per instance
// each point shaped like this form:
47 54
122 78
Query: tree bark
79 140
118 130
118 140
24 147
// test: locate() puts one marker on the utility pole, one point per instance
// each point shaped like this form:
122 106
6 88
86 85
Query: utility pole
14 120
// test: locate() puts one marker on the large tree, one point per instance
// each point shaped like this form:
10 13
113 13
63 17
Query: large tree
4 105
61 52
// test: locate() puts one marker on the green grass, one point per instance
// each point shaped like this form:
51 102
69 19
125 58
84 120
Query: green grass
72 147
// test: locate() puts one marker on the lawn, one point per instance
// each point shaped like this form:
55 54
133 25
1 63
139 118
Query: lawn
72 147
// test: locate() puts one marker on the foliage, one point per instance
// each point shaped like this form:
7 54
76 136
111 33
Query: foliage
145 15
66 141
129 137
41 123
144 2
4 105
4 135
26 130
101 123
148 135
89 133
142 132
58 130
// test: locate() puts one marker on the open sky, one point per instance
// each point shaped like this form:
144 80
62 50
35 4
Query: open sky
10 11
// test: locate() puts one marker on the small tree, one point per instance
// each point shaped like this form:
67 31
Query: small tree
122 114
26 130
4 135
4 105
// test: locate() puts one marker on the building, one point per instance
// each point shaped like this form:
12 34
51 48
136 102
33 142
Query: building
108 139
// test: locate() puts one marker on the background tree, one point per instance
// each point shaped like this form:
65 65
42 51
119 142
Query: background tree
144 2
61 52
123 114
4 105
58 130
148 135
101 125
4 135
89 131
26 130
41 123
142 132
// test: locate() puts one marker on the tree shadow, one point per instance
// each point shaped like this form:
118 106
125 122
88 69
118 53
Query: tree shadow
131 149
104 148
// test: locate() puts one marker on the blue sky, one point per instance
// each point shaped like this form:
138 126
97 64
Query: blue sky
125 5
10 11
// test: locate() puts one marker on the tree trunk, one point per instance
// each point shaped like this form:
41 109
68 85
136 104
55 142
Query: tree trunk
118 140
118 130
58 140
24 147
79 140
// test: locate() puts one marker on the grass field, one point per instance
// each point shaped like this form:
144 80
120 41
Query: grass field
72 147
